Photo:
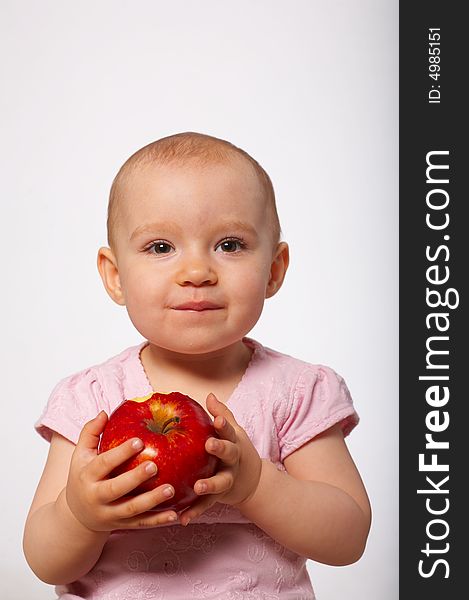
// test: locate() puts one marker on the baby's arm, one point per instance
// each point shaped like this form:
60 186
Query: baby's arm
318 508
76 507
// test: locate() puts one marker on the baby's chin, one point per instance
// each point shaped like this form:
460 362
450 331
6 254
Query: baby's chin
197 348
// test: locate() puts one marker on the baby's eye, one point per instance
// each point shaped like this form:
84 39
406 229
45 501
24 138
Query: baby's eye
159 248
231 245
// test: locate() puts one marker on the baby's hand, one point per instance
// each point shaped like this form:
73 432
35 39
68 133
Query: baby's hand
240 464
98 502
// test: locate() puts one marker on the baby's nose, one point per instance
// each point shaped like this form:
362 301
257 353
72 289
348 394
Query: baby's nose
196 270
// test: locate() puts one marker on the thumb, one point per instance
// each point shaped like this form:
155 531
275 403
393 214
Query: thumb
214 405
224 422
218 408
89 436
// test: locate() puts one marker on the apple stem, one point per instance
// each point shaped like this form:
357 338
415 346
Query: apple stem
168 422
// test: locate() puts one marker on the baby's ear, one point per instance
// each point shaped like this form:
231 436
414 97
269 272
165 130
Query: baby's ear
107 267
278 269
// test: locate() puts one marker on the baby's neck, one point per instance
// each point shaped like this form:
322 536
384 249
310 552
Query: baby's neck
194 374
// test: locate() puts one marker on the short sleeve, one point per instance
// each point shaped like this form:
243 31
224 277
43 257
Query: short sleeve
74 401
319 400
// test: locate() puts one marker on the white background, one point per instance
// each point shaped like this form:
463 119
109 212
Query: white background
309 88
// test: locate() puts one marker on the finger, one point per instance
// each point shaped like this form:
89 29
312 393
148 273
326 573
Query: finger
224 421
198 508
112 489
218 484
128 508
226 451
89 436
224 429
101 466
215 406
148 520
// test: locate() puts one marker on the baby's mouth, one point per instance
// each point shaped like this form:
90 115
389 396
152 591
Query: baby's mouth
198 306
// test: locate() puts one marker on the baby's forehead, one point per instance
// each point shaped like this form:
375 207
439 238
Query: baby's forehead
137 181
168 181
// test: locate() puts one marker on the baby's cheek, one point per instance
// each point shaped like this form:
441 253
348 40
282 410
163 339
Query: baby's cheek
251 304
253 288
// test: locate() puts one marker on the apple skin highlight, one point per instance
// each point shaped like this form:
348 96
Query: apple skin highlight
174 429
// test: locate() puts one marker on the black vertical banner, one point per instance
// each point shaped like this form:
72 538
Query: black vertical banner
434 267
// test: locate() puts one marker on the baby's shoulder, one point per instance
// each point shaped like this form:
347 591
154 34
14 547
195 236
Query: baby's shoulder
293 371
111 379
303 398
80 396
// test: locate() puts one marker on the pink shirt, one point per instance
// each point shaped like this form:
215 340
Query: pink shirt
282 403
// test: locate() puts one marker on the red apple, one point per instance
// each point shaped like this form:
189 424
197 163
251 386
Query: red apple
174 429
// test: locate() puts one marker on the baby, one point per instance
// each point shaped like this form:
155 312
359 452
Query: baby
194 251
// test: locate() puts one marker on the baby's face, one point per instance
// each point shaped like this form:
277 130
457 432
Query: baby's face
191 234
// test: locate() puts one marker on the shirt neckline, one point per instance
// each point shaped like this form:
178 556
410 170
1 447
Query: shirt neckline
256 354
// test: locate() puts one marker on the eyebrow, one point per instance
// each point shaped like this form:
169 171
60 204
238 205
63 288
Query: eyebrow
153 227
172 227
238 225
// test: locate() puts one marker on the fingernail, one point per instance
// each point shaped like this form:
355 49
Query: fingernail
172 518
137 444
201 488
168 492
151 468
